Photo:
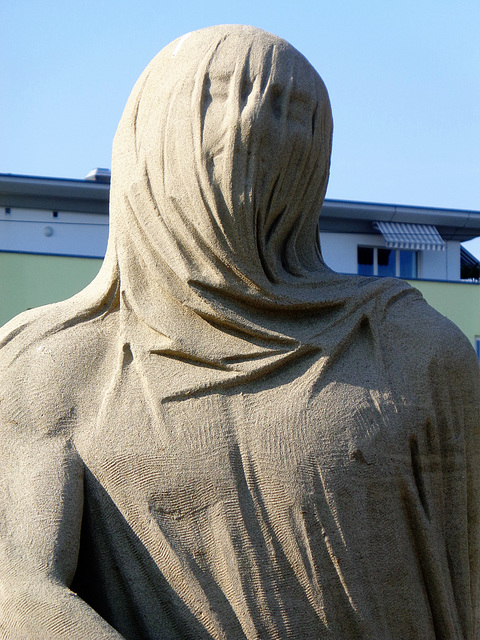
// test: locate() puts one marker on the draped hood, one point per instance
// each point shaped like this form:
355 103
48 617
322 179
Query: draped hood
220 166
219 169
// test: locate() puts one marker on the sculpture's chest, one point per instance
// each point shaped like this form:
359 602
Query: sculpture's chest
185 456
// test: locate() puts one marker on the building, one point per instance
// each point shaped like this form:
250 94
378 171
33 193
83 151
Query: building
419 244
53 235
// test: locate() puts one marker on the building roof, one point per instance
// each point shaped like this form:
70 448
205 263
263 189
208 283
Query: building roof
359 217
33 192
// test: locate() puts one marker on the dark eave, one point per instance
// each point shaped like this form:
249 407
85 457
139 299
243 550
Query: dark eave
357 217
30 192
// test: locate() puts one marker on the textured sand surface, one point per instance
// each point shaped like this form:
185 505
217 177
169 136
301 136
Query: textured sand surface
220 438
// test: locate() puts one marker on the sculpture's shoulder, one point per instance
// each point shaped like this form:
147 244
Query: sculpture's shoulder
417 337
52 363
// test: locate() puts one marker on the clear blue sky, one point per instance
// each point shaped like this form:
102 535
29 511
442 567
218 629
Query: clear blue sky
403 78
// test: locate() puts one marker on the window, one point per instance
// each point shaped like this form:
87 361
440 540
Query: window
377 261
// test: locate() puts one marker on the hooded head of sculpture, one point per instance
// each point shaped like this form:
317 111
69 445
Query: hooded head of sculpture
220 166
219 170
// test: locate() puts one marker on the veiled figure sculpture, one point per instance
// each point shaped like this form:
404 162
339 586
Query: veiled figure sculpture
220 438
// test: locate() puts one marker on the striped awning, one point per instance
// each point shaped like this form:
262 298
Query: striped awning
418 237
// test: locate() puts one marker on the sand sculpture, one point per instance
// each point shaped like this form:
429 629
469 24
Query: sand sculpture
220 438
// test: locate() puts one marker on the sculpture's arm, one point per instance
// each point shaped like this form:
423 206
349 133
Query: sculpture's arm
456 387
41 501
472 428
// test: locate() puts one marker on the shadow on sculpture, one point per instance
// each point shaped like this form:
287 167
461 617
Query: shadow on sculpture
220 437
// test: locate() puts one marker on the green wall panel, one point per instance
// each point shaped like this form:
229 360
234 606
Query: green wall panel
458 301
28 280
